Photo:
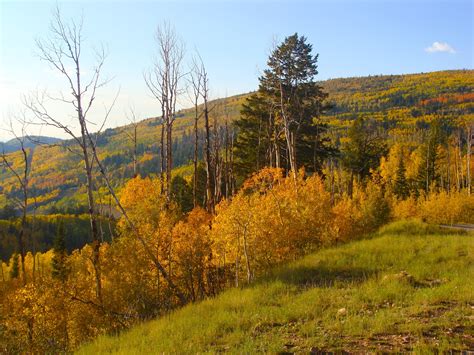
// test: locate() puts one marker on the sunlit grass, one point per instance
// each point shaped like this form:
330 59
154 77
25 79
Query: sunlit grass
409 287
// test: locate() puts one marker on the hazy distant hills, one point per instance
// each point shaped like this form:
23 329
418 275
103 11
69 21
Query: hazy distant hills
30 142
401 103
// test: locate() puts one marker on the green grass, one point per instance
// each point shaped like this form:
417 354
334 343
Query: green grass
409 287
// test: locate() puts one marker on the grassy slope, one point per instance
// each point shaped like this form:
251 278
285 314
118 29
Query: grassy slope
298 307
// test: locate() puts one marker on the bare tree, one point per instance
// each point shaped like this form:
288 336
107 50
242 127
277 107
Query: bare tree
229 154
163 81
469 140
62 51
148 249
132 136
216 162
196 82
21 174
210 203
65 47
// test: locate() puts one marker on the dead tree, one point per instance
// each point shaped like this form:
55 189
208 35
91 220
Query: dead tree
216 159
103 173
62 50
210 203
470 138
195 81
163 81
228 157
132 136
21 174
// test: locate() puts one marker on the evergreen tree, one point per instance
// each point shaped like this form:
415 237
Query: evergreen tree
182 193
14 268
364 148
278 125
59 266
257 140
401 188
8 212
428 173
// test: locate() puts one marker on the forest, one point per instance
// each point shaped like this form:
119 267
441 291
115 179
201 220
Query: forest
115 227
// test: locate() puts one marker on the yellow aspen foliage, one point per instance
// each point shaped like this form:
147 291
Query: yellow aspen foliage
444 208
405 209
152 215
389 164
274 213
414 163
192 253
345 220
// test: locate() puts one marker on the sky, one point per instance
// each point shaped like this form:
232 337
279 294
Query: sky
234 39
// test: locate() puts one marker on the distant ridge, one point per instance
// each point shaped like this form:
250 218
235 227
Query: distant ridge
13 145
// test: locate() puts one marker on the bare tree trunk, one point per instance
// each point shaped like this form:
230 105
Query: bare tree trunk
135 164
231 164
448 172
195 155
195 81
247 259
217 163
331 167
289 136
162 157
132 226
133 137
468 157
456 166
460 163
63 51
209 187
169 158
226 161
207 144
163 82
427 170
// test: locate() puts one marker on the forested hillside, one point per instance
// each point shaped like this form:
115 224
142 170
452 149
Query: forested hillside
401 104
118 227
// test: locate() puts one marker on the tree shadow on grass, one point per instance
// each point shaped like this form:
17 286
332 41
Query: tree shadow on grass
321 275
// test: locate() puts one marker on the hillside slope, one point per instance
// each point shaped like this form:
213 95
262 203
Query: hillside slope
398 102
410 287
30 142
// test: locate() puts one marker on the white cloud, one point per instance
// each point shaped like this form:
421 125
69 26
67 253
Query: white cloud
440 47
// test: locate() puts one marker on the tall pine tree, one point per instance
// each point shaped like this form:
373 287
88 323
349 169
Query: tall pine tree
278 125
364 149
401 189
59 265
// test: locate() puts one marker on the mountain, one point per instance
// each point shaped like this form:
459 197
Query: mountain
30 142
399 103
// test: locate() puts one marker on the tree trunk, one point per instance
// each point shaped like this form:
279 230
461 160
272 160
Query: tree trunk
169 158
468 158
89 187
162 157
247 260
207 155
195 153
135 167
448 172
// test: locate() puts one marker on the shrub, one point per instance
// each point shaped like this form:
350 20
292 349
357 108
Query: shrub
444 208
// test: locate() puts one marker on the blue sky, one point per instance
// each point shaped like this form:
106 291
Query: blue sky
353 38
